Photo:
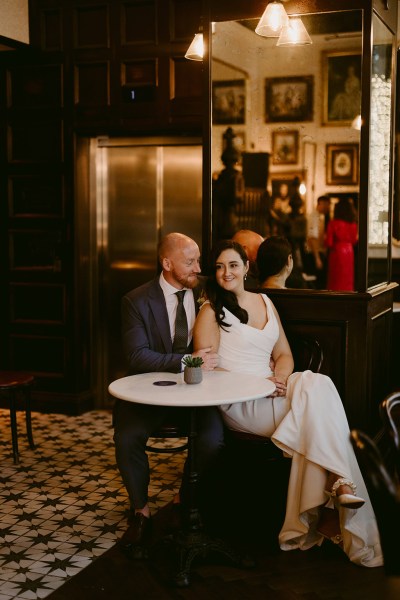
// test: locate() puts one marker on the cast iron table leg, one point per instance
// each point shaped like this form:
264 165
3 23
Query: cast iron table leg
192 542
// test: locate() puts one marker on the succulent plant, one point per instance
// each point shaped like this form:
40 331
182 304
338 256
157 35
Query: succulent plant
192 361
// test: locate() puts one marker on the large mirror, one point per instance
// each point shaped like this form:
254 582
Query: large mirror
379 153
285 131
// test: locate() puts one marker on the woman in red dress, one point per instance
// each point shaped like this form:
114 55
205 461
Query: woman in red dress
341 236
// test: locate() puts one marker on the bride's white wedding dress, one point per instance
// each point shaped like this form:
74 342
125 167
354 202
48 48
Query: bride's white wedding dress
311 427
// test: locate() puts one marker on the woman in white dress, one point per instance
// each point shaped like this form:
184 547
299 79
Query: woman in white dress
304 417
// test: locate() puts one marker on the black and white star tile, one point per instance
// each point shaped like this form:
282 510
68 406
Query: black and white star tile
64 504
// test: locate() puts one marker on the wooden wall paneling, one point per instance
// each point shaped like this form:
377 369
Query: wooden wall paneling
43 356
35 139
91 26
139 86
186 88
36 195
36 250
332 336
185 20
38 303
139 23
35 86
354 331
379 360
92 84
51 30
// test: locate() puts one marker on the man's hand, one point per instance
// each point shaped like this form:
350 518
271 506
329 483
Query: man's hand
210 359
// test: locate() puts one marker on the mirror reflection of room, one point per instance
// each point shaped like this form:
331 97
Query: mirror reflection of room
287 117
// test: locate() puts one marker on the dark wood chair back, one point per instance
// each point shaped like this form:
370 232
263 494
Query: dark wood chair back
384 493
390 414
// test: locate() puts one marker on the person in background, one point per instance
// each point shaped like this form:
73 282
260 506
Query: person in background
341 237
297 228
250 241
274 262
317 222
304 416
153 341
280 211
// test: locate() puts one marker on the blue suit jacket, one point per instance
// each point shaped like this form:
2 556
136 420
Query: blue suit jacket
145 329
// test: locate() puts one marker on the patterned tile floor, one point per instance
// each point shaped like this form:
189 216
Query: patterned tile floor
65 504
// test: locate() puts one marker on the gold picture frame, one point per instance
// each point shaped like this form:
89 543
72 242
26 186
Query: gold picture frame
285 147
284 177
289 99
342 166
341 87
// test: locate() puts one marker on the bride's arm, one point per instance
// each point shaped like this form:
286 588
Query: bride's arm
283 358
206 330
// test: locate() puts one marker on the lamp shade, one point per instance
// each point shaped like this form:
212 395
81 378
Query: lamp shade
294 33
272 20
196 48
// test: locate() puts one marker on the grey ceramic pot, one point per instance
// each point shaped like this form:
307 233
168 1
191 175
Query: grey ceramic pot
193 375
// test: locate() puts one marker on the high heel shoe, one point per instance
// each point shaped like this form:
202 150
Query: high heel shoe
346 500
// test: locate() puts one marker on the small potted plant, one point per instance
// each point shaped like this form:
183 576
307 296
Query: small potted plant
192 372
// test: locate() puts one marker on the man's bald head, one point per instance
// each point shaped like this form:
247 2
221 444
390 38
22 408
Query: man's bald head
250 240
179 258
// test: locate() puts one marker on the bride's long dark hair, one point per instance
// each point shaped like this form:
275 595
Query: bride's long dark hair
218 297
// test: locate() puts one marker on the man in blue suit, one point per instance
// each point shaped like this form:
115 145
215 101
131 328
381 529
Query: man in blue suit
149 315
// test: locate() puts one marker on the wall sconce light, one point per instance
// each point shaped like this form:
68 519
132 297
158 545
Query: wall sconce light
196 48
275 22
294 33
356 123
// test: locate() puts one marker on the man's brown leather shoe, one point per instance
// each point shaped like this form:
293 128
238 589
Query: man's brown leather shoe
135 537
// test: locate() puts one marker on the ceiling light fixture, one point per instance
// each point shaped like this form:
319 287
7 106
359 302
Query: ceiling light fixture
294 33
272 20
275 22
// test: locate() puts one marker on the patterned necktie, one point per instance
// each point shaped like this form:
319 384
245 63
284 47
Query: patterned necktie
181 326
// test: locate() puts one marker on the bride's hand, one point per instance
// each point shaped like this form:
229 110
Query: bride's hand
280 387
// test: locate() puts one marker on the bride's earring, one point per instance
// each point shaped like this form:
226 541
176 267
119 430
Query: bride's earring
245 276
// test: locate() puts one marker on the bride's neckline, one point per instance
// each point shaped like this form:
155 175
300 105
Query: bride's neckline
264 299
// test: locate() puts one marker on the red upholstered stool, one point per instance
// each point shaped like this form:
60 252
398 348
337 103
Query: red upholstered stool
13 384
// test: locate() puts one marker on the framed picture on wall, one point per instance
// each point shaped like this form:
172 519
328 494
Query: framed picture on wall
228 102
284 179
289 99
285 147
342 87
342 164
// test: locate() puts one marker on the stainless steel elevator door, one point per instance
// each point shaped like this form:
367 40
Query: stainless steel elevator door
144 190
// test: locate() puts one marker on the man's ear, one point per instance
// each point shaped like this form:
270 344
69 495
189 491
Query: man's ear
166 264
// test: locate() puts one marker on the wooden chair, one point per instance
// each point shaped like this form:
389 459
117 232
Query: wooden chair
12 385
390 414
173 428
384 493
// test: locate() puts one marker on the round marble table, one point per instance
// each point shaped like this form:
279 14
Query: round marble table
169 389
